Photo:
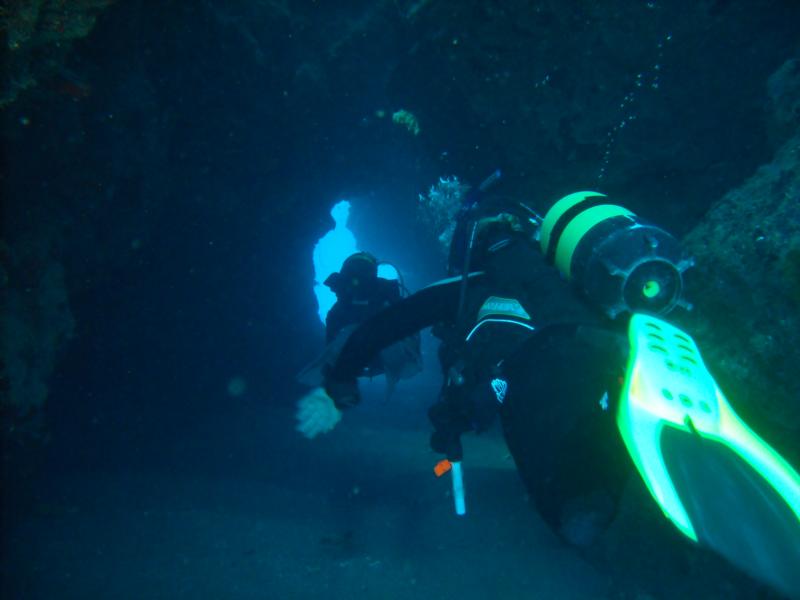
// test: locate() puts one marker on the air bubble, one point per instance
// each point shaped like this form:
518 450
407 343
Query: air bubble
648 78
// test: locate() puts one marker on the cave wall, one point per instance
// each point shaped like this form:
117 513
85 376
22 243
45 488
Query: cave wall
178 153
746 284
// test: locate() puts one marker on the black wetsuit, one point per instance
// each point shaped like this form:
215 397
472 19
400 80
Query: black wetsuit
523 326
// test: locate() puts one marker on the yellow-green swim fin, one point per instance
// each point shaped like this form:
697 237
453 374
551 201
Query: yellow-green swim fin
714 478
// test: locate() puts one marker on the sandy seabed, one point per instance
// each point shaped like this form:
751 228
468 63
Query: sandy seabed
250 509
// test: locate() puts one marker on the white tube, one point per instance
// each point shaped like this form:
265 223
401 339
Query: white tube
458 489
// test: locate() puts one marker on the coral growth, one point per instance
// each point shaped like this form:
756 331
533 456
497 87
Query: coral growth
439 207
406 119
36 35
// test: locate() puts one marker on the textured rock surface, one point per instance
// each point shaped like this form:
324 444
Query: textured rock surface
747 280
35 322
36 37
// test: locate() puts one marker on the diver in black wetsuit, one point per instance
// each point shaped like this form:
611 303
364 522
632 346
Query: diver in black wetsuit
515 335
518 341
360 293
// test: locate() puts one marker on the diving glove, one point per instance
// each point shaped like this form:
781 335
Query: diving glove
316 413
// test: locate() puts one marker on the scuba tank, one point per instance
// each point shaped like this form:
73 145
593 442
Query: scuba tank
620 262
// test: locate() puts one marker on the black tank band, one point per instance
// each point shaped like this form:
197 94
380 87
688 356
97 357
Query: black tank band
565 219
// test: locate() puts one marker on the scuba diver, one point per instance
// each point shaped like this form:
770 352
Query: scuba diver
580 379
360 294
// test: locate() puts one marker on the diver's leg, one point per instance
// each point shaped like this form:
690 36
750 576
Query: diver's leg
450 419
561 431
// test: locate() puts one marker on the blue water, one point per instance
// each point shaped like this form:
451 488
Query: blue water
167 171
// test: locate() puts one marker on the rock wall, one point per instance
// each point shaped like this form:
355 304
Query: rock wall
35 322
746 285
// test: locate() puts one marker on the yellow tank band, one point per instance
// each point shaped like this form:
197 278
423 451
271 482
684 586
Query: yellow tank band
557 210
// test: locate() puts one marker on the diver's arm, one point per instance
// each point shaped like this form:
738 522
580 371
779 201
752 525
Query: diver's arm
435 304
334 322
